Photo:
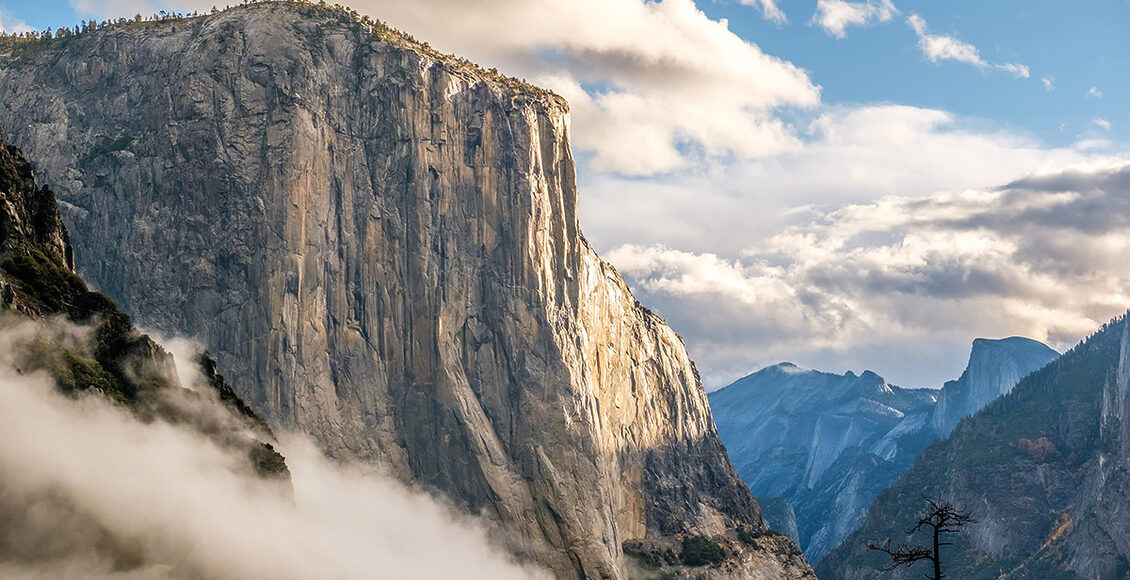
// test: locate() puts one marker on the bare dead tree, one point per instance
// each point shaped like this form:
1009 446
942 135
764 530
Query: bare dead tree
941 518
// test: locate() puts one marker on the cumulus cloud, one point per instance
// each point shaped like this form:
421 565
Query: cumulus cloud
769 10
1101 123
851 155
1093 93
887 280
89 491
654 86
701 227
939 47
1049 83
835 16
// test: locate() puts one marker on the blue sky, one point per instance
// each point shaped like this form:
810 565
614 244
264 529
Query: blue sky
782 184
1077 45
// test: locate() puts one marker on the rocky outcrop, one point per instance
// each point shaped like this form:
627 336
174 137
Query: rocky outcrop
1042 469
29 219
995 366
779 515
828 444
52 324
380 246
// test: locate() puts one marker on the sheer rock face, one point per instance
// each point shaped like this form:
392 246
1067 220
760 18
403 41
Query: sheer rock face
1097 544
995 366
381 249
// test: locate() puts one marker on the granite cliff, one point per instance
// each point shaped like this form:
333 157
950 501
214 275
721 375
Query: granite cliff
818 447
1043 469
380 246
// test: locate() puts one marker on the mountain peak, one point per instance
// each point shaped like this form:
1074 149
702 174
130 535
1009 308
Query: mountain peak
1016 347
987 354
1012 451
995 366
871 375
787 367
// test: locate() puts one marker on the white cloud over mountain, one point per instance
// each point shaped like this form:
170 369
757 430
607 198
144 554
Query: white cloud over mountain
654 86
90 491
850 155
1043 256
837 256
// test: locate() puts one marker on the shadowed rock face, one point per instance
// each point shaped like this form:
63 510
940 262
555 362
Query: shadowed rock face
380 247
822 446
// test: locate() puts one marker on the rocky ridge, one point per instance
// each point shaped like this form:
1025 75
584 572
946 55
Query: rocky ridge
818 447
380 246
1043 469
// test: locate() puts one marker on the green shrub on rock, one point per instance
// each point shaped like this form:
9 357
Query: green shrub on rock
700 551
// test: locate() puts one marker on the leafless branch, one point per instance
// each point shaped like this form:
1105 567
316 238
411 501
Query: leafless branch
903 555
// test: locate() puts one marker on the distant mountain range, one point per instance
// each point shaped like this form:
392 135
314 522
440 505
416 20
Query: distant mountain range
1045 471
816 448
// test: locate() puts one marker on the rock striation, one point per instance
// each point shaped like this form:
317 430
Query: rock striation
1043 469
818 447
380 246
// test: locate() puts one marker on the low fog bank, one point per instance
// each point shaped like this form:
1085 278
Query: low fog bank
88 491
